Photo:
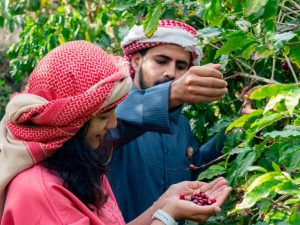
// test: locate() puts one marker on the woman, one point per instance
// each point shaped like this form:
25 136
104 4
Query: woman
60 123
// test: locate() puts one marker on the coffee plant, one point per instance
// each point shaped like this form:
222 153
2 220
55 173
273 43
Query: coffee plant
257 42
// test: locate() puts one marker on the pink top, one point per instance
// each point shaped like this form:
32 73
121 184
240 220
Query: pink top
37 197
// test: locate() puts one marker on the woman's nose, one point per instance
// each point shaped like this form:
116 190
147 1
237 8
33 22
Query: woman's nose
112 121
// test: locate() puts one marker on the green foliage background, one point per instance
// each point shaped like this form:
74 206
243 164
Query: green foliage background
257 42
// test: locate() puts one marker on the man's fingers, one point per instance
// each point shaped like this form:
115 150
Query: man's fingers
208 92
214 66
206 82
217 187
211 185
202 98
221 197
206 71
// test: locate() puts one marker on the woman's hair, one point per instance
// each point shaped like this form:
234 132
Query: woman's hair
82 168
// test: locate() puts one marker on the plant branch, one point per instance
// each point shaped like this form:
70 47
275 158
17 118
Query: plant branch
288 24
213 161
287 8
280 205
255 77
273 67
291 68
295 4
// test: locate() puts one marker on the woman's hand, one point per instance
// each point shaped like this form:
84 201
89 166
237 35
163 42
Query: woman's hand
183 209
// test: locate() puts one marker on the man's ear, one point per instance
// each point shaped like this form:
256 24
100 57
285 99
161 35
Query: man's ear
136 61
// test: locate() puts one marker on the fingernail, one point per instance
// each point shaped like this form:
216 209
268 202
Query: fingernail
217 211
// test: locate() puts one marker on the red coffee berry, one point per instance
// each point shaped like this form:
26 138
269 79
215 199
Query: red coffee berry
284 66
199 199
192 166
182 197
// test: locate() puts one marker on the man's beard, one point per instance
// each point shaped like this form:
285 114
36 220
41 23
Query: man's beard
159 81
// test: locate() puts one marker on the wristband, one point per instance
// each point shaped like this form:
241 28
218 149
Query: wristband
164 217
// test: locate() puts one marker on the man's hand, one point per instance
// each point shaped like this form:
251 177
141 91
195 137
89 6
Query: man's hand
183 209
198 84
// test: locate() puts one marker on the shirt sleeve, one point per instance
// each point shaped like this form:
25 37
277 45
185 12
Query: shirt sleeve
142 111
147 108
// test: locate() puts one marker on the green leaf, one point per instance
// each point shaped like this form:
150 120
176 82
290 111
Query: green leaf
249 50
270 28
295 54
271 9
287 188
282 38
260 188
152 19
253 6
257 168
273 101
263 52
291 101
104 18
213 15
240 150
231 43
270 90
296 121
276 167
210 32
294 217
287 131
1 21
267 120
35 4
212 171
245 163
240 122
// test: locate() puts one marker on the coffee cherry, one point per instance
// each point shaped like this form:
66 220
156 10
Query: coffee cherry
284 66
199 199
182 197
192 166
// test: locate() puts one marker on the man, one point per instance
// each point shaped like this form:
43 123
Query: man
165 77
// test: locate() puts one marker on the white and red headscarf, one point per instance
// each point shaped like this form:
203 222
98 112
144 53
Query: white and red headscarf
168 32
71 84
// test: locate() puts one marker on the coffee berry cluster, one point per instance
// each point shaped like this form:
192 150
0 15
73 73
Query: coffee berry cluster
199 199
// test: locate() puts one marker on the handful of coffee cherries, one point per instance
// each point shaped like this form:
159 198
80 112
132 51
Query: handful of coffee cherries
201 199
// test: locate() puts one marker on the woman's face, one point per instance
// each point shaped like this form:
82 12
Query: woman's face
98 127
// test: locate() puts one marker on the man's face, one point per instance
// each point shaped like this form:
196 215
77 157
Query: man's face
160 64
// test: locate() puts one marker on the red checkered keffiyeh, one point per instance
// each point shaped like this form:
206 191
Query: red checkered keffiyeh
70 85
168 32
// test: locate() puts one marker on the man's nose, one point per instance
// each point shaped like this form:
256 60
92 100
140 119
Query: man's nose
170 71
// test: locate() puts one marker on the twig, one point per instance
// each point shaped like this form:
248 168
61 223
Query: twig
288 24
253 218
287 29
273 67
213 161
283 198
280 205
237 63
294 43
295 4
291 68
292 11
262 79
